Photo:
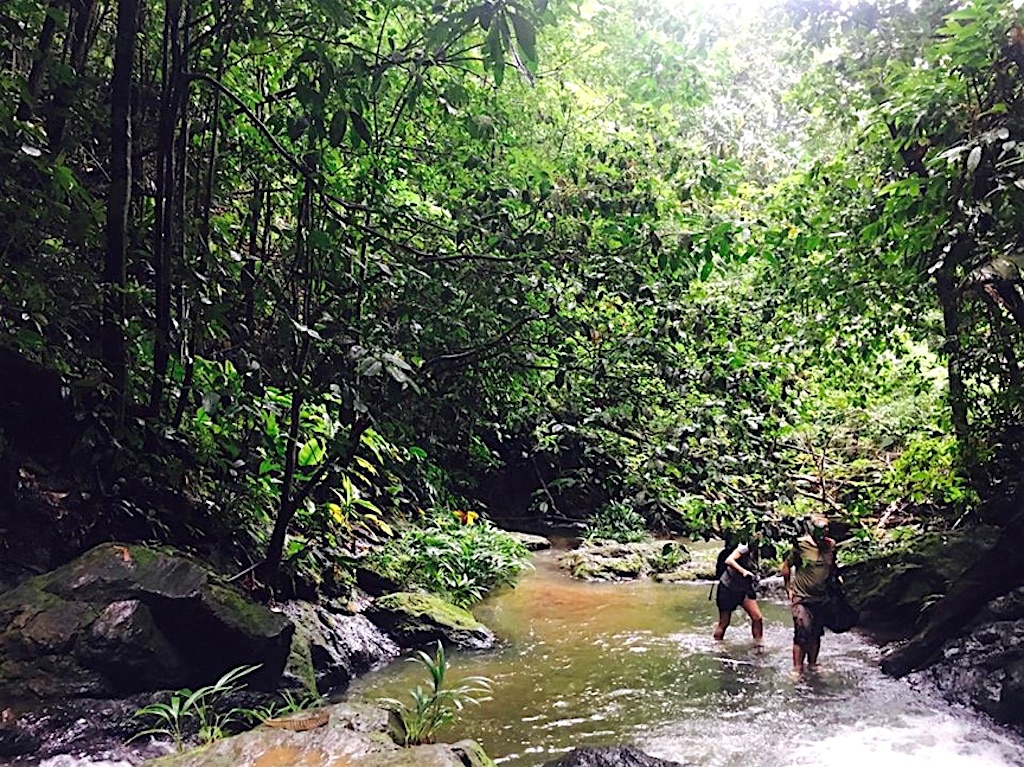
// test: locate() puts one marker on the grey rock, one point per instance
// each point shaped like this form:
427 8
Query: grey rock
341 646
610 756
354 736
124 619
530 541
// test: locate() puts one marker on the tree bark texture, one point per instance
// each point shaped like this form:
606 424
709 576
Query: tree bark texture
118 204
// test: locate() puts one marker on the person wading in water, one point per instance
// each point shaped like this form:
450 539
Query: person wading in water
736 589
806 572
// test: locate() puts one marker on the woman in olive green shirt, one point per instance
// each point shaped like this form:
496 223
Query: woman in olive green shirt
806 573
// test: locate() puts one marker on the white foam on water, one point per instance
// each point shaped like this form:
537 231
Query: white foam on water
912 741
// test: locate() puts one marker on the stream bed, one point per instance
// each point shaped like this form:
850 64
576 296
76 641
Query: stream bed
586 664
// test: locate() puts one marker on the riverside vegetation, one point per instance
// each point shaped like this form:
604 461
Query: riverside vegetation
327 292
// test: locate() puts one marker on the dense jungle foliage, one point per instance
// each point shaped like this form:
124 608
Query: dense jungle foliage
341 271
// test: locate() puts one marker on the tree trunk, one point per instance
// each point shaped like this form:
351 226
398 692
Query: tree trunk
171 80
78 45
40 59
946 292
118 203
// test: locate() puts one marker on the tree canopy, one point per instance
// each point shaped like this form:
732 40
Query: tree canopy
328 264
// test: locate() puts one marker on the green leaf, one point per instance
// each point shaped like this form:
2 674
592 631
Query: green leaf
311 453
496 54
526 35
362 130
339 124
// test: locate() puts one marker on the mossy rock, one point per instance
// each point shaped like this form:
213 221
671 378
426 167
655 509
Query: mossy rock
609 560
124 618
891 591
354 736
419 620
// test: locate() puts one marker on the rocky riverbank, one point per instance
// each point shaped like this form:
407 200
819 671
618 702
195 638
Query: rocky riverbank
83 647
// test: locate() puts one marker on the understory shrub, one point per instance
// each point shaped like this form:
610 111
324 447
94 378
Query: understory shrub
617 522
460 559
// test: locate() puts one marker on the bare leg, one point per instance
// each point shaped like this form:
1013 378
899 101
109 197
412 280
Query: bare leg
723 624
756 621
798 658
812 652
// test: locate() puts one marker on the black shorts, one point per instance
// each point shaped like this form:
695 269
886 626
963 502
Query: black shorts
728 599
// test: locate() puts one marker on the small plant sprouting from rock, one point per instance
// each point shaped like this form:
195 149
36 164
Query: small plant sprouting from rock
289 704
430 710
195 710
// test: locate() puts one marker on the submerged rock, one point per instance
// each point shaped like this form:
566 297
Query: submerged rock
610 756
418 620
124 619
353 736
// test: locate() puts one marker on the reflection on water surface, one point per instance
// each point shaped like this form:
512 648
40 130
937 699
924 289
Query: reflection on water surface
603 663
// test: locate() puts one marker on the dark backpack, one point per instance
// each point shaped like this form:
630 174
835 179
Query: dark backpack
720 567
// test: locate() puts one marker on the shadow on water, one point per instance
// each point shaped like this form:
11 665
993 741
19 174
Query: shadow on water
601 663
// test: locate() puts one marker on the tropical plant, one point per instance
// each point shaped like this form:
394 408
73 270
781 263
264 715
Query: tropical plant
617 522
288 704
195 711
433 708
459 561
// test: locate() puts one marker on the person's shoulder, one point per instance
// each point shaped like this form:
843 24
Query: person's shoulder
742 549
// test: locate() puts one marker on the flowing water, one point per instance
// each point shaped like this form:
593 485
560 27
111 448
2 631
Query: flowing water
609 663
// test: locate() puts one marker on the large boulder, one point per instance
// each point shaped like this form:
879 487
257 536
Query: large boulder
331 647
610 756
418 620
984 667
354 736
890 591
122 619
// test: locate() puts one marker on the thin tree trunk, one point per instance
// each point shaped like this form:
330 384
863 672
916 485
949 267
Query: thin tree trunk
119 200
79 43
40 59
164 215
946 292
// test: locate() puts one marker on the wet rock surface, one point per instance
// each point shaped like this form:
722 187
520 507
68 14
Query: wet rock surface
984 668
354 736
611 756
68 731
530 541
667 561
124 619
330 647
889 591
419 620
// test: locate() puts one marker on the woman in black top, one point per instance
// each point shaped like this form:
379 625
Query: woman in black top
736 589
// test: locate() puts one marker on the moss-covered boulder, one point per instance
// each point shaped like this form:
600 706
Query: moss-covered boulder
891 592
418 620
353 736
124 618
608 560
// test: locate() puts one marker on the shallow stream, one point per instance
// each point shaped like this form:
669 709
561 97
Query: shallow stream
607 663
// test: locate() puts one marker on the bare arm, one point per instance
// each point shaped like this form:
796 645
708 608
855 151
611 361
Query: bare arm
733 561
785 576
